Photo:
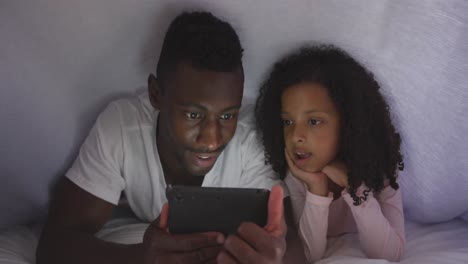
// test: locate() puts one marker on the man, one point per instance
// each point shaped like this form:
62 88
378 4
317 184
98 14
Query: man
185 131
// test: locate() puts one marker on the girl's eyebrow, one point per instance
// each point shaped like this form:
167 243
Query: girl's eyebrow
318 112
314 111
307 112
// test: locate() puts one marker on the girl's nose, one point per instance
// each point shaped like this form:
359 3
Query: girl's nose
298 134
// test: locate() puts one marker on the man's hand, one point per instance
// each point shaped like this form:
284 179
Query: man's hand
317 182
162 247
255 244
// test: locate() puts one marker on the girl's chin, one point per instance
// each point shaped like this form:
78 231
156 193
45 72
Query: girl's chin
311 168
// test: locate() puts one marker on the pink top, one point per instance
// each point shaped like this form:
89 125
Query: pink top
379 220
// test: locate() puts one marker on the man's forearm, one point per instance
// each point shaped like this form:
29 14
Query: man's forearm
75 247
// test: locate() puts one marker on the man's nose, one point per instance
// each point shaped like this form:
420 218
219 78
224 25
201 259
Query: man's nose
210 137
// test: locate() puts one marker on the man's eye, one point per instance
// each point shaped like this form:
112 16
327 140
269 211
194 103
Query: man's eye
314 122
287 122
227 116
193 116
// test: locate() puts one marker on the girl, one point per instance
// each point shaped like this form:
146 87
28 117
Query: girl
327 129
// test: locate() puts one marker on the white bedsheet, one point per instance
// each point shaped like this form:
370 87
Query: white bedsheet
445 243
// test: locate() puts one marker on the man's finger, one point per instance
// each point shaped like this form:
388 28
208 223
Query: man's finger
275 208
225 258
265 243
212 261
202 255
163 217
168 242
240 250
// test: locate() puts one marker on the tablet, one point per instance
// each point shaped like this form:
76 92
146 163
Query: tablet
203 209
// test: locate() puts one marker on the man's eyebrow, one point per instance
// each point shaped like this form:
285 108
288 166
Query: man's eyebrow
193 105
234 107
201 107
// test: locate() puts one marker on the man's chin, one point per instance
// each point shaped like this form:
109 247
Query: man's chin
200 171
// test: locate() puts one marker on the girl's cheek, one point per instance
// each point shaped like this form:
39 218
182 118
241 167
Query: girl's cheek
286 138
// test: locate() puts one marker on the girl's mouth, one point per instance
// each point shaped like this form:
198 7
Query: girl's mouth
301 157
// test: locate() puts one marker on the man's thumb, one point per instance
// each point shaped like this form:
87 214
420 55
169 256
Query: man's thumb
275 208
163 217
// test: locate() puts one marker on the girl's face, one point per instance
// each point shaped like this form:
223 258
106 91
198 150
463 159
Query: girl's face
311 125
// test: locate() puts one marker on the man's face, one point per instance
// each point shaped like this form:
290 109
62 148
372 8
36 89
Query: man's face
198 115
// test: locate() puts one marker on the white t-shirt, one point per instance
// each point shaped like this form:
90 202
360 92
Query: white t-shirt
120 154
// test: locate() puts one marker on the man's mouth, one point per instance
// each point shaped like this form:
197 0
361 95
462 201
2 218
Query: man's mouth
203 157
205 160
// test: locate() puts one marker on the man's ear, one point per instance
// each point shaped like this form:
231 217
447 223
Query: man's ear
154 92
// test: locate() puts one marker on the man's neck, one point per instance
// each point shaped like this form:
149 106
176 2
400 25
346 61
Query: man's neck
190 180
175 175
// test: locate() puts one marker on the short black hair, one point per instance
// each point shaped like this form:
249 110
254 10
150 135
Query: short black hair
369 143
201 40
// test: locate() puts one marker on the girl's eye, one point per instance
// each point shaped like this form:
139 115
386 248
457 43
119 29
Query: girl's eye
227 116
193 116
287 122
314 122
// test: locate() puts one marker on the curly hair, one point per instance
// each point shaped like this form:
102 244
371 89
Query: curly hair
369 143
201 40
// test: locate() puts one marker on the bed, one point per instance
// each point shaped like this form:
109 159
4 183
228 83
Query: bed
444 243
61 62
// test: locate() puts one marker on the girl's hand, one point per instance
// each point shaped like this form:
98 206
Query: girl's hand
337 172
317 182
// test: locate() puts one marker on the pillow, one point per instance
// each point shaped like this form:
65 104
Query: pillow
424 74
420 60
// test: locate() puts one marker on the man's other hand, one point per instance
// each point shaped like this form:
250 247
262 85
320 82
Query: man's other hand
255 244
162 247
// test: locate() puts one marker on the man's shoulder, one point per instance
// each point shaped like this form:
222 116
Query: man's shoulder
130 109
246 118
